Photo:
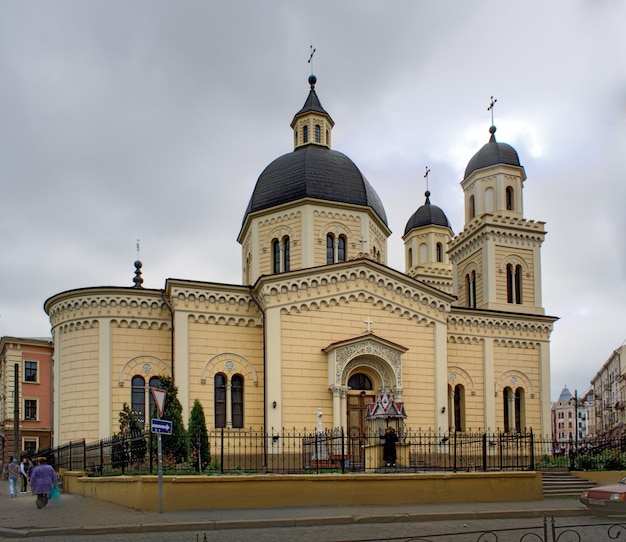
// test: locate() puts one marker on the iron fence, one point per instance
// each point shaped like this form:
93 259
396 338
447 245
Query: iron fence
301 451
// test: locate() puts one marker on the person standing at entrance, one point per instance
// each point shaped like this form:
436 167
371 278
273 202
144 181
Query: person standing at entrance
42 478
14 473
389 447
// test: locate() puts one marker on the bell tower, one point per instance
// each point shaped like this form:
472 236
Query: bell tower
497 257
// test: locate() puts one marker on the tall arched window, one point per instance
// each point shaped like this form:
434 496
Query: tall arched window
423 253
330 248
472 207
236 386
276 256
138 398
509 198
341 248
219 393
489 200
286 254
459 408
514 284
318 133
305 134
439 252
470 286
410 257
520 421
507 398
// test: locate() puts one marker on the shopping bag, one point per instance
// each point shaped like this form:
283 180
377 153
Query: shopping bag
55 493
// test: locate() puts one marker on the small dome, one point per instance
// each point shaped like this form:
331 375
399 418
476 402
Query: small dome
566 396
492 153
427 215
313 172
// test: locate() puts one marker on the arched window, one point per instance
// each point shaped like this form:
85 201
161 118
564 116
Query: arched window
330 248
154 382
514 284
472 207
520 422
237 400
219 393
459 408
305 134
359 381
318 133
341 248
439 252
286 254
470 286
327 138
509 198
507 398
410 257
276 256
295 138
138 398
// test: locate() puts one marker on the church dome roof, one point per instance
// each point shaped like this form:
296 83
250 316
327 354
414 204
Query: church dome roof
427 215
313 172
491 154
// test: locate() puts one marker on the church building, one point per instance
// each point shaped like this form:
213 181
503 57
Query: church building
459 337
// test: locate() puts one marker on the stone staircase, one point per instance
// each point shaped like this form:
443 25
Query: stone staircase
561 484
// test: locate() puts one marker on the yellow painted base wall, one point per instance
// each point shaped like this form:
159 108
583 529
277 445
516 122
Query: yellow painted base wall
201 492
601 478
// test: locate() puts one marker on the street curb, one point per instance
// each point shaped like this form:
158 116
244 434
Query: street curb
215 525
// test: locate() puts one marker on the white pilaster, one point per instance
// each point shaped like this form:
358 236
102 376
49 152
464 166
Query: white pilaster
490 399
181 360
56 379
105 414
273 365
441 375
544 361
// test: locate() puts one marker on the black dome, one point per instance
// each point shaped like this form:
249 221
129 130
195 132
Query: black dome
493 153
427 215
313 172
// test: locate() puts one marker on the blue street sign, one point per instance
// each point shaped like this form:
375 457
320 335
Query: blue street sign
161 426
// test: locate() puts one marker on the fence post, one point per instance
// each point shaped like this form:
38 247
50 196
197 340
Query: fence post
343 452
484 452
84 455
532 450
222 452
454 467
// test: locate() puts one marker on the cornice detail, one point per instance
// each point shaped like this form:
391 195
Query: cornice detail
493 324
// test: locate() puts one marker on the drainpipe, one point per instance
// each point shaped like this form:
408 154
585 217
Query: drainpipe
169 307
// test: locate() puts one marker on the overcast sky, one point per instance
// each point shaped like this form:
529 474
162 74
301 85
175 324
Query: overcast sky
152 120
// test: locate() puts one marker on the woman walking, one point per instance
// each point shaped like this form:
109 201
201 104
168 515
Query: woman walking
42 478
14 472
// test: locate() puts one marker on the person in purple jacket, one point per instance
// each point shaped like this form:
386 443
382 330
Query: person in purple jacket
42 478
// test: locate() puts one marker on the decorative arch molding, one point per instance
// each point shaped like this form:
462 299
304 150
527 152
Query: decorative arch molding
229 363
278 232
224 320
512 379
514 259
212 300
457 375
147 367
78 325
279 219
137 323
337 229
465 339
498 324
382 356
510 343
471 266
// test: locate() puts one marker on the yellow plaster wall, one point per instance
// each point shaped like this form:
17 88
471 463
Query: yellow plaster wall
521 361
132 345
228 492
78 394
468 355
327 221
305 366
210 346
528 273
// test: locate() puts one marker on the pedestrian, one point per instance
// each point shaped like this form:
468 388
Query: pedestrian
24 470
14 473
389 447
42 478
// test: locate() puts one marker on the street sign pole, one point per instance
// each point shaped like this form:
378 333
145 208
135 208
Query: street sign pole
159 398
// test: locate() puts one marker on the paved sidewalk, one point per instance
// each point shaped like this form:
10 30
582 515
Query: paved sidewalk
76 515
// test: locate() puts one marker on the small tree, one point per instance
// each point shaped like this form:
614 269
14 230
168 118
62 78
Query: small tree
198 437
174 445
129 445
